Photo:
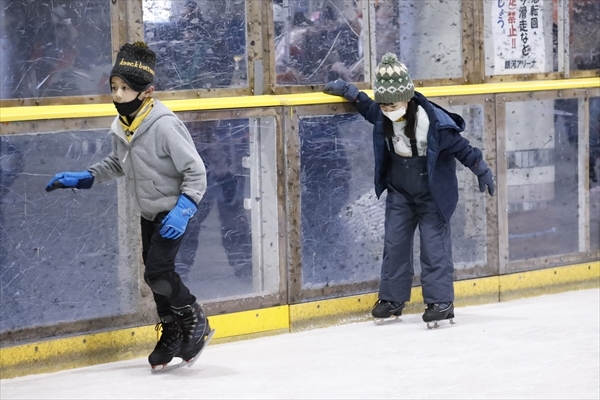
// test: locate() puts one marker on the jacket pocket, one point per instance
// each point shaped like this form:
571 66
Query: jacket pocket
147 190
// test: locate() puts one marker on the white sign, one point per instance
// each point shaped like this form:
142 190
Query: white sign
518 31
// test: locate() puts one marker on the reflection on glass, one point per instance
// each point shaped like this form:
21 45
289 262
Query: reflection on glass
316 41
199 44
342 222
59 258
50 48
425 34
215 257
469 221
584 46
542 178
595 173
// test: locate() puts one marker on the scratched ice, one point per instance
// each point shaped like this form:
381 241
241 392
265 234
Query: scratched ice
542 347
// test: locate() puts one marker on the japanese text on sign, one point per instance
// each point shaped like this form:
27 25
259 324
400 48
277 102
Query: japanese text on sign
519 45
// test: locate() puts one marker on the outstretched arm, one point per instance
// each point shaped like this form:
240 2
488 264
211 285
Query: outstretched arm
364 104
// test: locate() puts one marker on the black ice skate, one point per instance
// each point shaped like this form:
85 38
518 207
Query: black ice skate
196 331
384 309
169 343
436 312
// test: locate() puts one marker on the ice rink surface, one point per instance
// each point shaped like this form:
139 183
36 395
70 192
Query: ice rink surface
545 347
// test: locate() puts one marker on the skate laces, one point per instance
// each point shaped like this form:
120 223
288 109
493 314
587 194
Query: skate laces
189 321
387 304
438 306
170 332
379 302
382 302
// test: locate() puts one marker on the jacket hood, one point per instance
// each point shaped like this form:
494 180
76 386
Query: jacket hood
448 119
445 118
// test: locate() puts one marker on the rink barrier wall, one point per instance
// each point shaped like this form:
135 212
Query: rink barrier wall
90 349
74 352
31 113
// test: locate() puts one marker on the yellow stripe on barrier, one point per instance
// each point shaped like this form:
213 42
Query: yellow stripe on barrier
33 113
511 87
30 113
549 280
316 314
249 322
474 288
331 307
76 346
220 103
477 291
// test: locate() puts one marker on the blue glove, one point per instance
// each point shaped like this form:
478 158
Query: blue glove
339 87
77 180
177 219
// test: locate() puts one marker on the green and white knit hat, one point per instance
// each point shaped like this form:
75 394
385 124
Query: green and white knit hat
392 81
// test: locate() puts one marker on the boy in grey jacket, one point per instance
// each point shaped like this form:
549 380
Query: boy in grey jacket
153 150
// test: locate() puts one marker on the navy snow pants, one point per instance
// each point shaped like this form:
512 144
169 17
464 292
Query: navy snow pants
409 203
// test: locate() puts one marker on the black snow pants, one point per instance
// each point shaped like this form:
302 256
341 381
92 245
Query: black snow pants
159 254
409 203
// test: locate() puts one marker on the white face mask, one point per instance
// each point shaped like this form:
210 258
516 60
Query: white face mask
395 115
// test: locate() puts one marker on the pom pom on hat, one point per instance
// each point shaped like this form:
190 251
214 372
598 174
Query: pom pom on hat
135 65
392 81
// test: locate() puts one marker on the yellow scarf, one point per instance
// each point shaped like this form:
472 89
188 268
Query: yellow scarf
130 128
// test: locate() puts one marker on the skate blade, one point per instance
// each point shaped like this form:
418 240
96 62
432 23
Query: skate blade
383 321
191 361
161 369
435 325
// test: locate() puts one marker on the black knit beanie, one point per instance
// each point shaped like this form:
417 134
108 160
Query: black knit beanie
135 65
392 81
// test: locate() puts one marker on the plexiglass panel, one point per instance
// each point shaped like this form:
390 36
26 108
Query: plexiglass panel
219 257
60 256
469 222
520 36
425 34
542 178
317 41
54 48
199 44
343 222
594 173
584 20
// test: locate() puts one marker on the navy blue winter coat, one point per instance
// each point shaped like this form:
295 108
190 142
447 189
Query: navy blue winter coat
444 145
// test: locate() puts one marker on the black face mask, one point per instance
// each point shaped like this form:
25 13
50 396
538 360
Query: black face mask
126 109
